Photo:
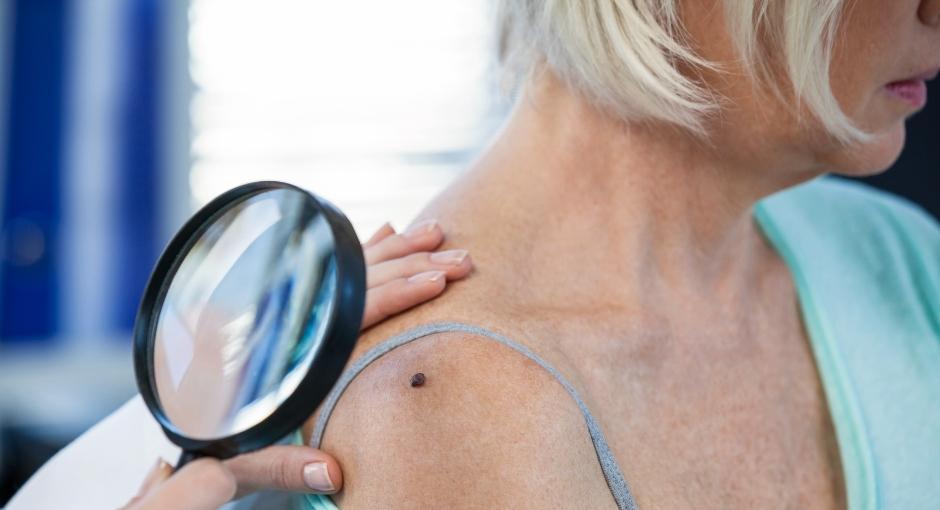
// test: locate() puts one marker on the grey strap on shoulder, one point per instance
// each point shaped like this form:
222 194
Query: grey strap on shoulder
615 480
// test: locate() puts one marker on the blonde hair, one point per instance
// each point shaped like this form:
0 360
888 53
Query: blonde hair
627 55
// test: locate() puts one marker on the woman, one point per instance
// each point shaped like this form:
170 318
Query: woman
646 326
730 350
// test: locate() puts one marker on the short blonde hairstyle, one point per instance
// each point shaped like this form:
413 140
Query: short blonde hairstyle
625 55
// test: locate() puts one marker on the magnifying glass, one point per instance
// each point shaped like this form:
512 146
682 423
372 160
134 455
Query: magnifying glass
248 319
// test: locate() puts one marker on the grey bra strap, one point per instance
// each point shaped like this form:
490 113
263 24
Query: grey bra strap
616 482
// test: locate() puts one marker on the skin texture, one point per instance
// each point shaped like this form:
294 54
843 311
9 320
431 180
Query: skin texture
403 270
625 255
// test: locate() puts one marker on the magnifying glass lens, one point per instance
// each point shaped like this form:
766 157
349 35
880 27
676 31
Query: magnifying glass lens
244 315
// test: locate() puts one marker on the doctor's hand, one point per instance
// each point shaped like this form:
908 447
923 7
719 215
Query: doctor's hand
403 270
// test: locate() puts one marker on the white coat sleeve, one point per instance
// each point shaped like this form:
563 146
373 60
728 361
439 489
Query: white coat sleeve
103 468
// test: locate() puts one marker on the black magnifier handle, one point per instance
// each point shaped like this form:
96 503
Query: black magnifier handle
186 457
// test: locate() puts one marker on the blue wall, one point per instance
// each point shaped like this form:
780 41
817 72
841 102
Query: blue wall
32 199
34 255
138 162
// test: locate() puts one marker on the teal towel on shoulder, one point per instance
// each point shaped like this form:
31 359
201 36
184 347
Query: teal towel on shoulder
866 265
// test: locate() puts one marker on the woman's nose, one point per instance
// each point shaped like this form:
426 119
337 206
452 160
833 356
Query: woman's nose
929 12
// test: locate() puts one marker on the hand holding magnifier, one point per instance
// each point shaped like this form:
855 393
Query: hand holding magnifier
241 331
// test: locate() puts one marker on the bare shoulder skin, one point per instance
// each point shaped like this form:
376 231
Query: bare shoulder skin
489 428
683 340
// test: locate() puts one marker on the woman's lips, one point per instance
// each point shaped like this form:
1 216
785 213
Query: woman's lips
914 91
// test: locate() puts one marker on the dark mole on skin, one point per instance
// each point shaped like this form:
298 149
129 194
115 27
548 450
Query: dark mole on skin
417 380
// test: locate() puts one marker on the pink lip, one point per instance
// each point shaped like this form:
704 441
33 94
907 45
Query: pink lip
913 91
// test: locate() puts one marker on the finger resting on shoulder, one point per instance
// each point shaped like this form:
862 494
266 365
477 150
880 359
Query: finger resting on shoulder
424 236
455 263
401 294
384 231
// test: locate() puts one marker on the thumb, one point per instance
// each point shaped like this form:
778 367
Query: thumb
286 467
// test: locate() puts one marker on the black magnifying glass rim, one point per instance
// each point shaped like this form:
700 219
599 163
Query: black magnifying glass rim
339 339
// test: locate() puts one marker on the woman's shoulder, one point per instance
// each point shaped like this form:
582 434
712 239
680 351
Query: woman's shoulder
486 427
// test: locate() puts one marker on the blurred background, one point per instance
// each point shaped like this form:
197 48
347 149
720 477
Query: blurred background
118 118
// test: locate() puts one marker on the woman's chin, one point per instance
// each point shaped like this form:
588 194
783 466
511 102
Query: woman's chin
871 158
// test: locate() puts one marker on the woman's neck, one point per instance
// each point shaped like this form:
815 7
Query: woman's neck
578 189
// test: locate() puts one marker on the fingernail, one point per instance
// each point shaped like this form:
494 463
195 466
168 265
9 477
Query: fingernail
420 228
452 257
157 472
317 477
429 276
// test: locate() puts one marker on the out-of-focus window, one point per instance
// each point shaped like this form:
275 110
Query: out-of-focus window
374 105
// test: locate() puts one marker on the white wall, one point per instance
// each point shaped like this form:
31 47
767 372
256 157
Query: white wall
375 113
